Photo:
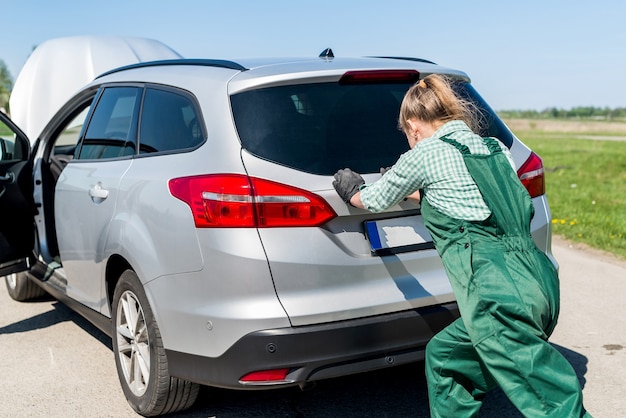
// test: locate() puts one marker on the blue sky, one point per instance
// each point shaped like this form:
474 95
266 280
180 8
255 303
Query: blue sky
520 55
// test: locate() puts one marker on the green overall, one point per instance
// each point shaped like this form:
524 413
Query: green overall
508 295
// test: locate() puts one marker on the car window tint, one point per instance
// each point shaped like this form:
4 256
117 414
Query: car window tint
320 128
112 131
169 121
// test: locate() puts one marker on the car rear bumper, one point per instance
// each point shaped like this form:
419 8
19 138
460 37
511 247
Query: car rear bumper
318 352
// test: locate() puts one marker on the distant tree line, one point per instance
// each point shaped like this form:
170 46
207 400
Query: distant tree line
6 84
583 112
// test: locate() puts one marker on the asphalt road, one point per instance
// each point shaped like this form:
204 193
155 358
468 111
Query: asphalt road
53 363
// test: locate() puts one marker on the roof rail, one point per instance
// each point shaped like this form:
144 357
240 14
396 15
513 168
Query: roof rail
409 59
199 62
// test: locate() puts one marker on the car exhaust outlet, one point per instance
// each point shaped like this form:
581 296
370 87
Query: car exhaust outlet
306 386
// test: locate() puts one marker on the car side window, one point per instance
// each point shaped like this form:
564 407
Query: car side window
169 122
70 134
112 130
64 145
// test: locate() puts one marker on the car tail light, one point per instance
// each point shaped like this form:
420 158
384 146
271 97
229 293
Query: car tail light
239 201
379 76
532 175
276 375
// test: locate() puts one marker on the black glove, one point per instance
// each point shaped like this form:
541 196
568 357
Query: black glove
347 183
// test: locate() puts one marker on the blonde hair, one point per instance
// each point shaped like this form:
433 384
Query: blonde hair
432 100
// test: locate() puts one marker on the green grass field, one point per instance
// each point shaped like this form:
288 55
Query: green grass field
585 182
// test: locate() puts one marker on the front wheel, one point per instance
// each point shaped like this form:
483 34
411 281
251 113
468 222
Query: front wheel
21 288
140 357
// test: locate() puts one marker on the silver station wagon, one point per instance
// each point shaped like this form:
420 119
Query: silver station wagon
186 208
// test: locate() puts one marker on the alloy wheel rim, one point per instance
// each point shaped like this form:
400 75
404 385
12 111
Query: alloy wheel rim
133 343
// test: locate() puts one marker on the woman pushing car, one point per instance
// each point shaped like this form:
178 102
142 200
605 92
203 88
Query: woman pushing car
507 290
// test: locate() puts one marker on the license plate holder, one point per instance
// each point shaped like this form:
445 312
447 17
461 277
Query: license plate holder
398 235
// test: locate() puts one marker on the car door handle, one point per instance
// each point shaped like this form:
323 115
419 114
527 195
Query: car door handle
97 193
7 178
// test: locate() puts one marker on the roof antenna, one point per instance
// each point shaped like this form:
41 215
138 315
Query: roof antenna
327 54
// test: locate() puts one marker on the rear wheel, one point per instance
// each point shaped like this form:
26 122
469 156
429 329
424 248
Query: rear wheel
21 288
140 357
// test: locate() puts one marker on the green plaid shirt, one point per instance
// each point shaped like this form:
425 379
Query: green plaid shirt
437 168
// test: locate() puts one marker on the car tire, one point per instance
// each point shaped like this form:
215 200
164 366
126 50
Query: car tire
140 358
21 288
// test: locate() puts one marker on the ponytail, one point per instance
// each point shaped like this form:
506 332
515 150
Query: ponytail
433 100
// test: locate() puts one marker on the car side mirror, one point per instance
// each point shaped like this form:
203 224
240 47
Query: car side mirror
6 149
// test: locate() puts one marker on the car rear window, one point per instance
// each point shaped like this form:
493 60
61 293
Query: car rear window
320 128
490 123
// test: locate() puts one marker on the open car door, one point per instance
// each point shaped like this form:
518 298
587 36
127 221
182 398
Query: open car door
16 199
